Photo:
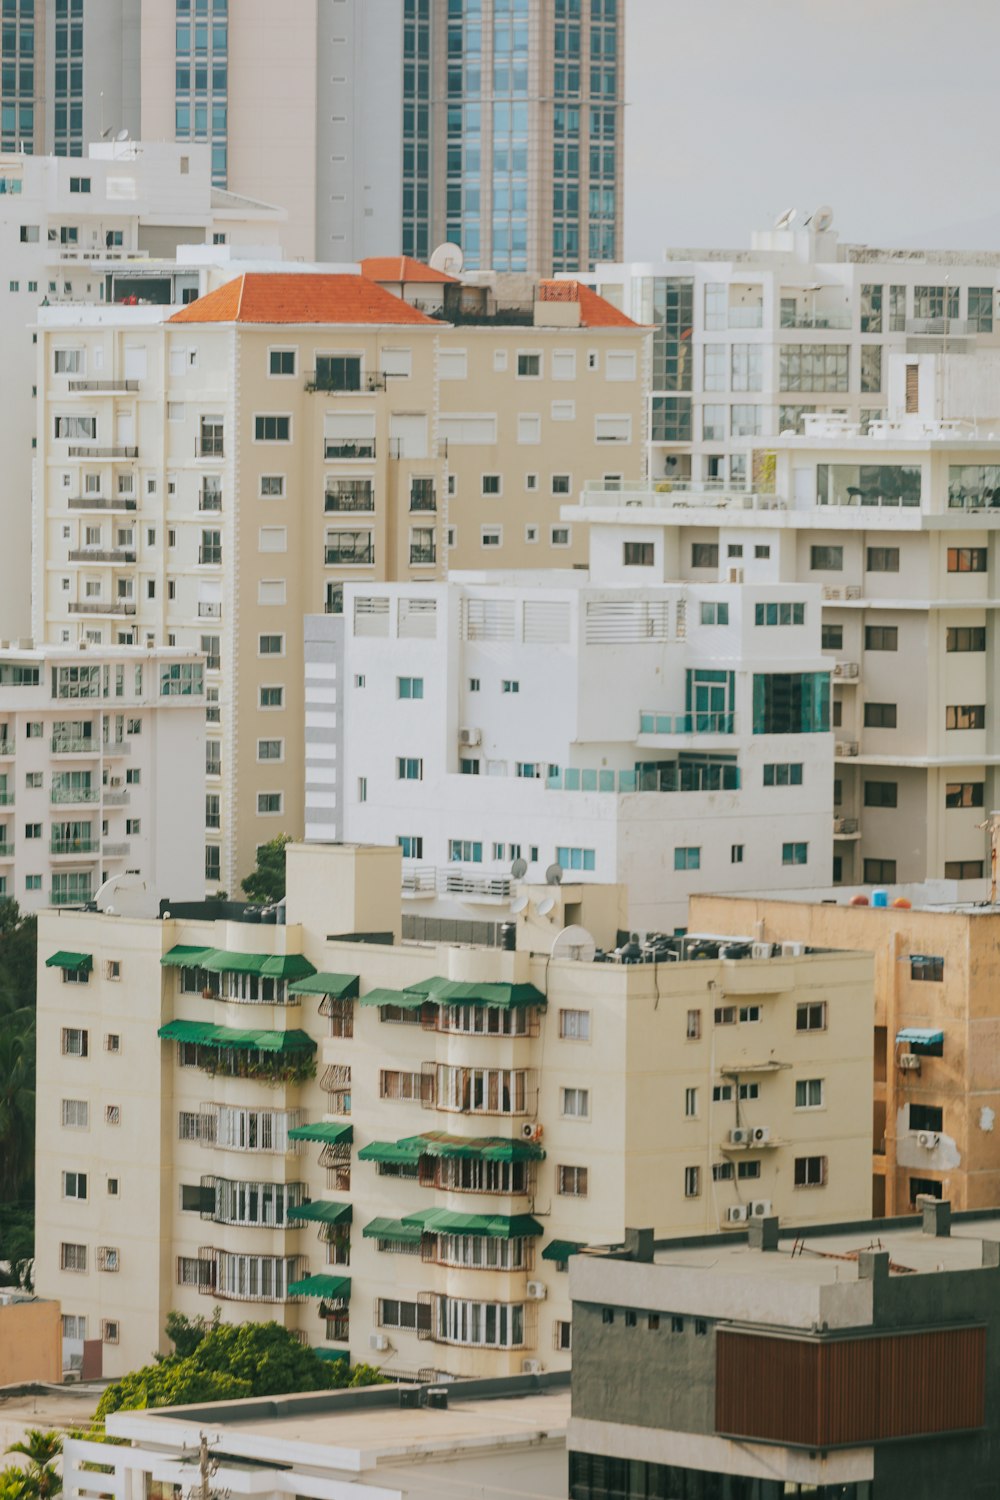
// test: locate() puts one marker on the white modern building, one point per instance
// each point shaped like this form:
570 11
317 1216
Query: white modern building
670 737
101 754
750 341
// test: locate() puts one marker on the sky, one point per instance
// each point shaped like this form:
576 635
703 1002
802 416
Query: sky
887 110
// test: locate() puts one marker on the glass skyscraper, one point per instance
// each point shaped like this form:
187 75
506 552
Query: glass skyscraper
512 131
202 78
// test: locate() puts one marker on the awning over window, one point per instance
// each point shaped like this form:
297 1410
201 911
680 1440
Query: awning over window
492 1226
268 965
561 1249
340 986
403 999
498 996
287 966
322 1212
329 1132
400 1232
227 1036
401 1152
183 956
74 963
927 1035
333 1354
330 1288
488 1148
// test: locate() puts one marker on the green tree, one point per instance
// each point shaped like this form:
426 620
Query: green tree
266 883
17 1109
41 1479
14 1484
18 950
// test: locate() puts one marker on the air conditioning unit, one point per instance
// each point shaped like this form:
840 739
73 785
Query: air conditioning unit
115 781
470 736
759 1135
536 1291
740 1136
760 950
738 1214
845 669
928 1139
531 1367
845 747
734 575
378 1342
792 950
760 1208
853 591
829 592
909 1062
530 1132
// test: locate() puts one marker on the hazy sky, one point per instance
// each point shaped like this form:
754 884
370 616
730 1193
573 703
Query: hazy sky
888 110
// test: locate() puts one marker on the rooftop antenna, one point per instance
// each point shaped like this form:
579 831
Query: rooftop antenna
787 219
448 258
122 134
519 904
822 218
992 827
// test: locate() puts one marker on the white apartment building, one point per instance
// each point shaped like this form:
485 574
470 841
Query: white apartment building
452 1122
625 728
101 753
749 341
898 527
95 229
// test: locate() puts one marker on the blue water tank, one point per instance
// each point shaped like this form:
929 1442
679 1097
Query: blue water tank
880 898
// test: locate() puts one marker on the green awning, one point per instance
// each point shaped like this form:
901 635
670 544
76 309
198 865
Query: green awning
227 1036
332 1288
925 1036
561 1249
322 1212
217 961
343 1355
398 1230
403 999
472 1148
183 956
327 1131
340 986
492 1226
498 996
287 966
74 963
401 1152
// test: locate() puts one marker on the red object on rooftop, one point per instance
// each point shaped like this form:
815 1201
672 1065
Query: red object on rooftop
859 900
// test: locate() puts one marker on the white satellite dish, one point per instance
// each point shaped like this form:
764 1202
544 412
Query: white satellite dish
574 943
519 869
447 258
822 218
122 134
787 219
546 905
519 904
554 875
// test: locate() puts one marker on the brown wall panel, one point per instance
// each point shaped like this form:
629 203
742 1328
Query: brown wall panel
829 1393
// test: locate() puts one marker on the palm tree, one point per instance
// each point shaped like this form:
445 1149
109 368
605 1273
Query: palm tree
41 1480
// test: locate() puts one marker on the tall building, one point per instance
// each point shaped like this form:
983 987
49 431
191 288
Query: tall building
749 341
635 733
350 444
453 1122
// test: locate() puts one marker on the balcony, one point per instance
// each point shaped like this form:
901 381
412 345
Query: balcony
6 851
332 384
71 898
102 555
420 881
209 500
74 846
674 725
120 503
104 387
116 747
352 450
116 450
456 882
115 799
209 609
6 748
6 799
746 317
959 328
808 320
683 494
671 776
343 557
846 828
844 749
102 607
337 501
422 556
114 851
74 744
62 796
422 496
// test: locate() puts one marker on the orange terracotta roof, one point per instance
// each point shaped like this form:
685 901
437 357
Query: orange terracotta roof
300 297
400 268
595 311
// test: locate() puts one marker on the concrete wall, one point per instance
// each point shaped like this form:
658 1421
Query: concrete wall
30 1342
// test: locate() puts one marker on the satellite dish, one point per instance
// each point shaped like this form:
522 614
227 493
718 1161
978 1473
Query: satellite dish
105 133
574 943
519 869
122 134
546 905
822 218
787 219
519 904
554 875
447 258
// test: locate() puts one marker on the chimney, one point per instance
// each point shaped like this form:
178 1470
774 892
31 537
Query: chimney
936 1216
639 1244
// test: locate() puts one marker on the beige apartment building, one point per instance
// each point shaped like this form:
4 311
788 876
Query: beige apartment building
937 1020
452 1122
207 478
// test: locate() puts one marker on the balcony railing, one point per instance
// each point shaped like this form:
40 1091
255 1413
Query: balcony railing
420 879
115 799
845 827
70 898
114 851
102 502
102 555
686 723
61 795
6 799
948 327
6 851
815 320
746 317
116 747
349 450
456 882
6 747
102 607
103 386
115 450
210 500
351 557
74 846
74 744
668 777
209 447
337 502
421 556
426 501
331 385
209 610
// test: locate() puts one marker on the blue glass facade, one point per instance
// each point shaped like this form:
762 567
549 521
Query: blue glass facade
202 78
417 128
17 95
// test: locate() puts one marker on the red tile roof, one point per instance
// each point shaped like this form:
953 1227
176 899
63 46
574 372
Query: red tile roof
400 268
300 298
595 311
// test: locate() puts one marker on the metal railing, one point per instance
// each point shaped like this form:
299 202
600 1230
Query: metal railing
209 447
421 556
6 747
337 503
455 882
6 851
954 327
350 451
74 846
70 898
102 607
62 795
6 799
126 386
116 747
74 744
114 851
115 799
651 722
321 380
358 556
210 500
845 826
815 320
115 450
210 556
209 610
102 502
102 554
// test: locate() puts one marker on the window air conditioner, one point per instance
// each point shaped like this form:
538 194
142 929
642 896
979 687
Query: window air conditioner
760 950
536 1291
928 1139
909 1062
738 1214
760 1208
760 1134
740 1136
470 736
531 1367
378 1342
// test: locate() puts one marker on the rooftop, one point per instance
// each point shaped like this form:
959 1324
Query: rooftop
284 297
401 268
595 311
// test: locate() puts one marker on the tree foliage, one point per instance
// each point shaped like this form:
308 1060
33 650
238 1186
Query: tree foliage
266 883
215 1361
38 1479
18 949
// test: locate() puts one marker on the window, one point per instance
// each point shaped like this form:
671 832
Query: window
714 612
409 768
926 1117
964 794
810 1171
725 1015
510 685
575 1103
832 637
779 614
529 366
559 536
409 687
826 559
965 716
72 1257
881 793
272 429
272 486
79 184
75 1114
272 697
981 309
965 638
465 851
811 1016
879 871
813 367
491 536
967 559
412 845
405 1086
795 854
572 1182
881 638
270 645
410 1316
74 1042
613 429
880 715
781 774
927 968
108 1258
560 484
574 1025
74 1184
704 554
691 1103
963 869
492 484
809 1093
687 858
638 554
269 802
882 560
692 1182
281 362
924 1187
